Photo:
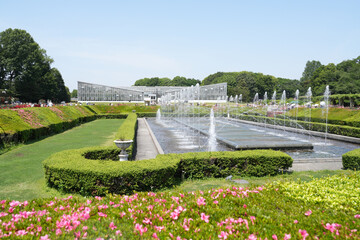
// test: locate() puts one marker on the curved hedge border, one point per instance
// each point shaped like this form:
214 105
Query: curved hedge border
351 160
71 171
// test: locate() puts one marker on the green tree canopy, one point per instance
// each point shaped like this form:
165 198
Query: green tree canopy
176 81
25 68
74 93
342 78
249 83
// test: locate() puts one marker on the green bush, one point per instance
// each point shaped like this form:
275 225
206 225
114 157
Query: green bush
351 160
72 171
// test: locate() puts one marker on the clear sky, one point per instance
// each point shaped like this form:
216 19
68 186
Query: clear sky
118 42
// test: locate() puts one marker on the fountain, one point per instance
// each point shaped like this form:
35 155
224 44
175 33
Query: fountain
308 105
158 115
297 105
212 134
283 101
256 99
326 100
186 126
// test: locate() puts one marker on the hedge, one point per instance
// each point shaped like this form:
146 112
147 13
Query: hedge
71 171
351 160
127 131
22 125
319 127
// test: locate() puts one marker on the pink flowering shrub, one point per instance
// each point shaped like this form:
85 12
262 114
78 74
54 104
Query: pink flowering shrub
239 213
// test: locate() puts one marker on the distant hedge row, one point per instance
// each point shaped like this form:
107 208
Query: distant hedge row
72 171
313 126
22 125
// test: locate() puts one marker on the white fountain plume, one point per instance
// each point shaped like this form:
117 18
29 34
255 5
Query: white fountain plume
265 98
212 134
273 99
283 101
256 98
158 115
326 99
297 105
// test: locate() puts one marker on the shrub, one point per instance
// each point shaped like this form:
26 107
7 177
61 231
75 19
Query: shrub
351 160
71 171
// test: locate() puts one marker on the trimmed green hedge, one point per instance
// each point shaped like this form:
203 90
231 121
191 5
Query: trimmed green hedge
351 160
319 127
71 171
127 131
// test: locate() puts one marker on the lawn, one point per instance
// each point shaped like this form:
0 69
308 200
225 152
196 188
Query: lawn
22 176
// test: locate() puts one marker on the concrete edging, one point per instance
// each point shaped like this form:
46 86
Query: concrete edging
156 143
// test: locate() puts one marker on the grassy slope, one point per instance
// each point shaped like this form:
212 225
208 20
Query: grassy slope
12 120
22 175
334 113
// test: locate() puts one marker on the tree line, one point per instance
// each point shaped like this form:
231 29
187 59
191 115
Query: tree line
176 81
25 69
342 78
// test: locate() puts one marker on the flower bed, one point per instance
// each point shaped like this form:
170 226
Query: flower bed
231 213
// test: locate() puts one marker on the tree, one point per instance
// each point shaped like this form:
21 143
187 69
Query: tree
25 69
310 68
74 93
176 81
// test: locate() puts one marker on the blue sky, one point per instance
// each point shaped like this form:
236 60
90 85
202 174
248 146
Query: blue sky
118 42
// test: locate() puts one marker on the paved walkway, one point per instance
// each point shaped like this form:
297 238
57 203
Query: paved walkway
317 164
147 145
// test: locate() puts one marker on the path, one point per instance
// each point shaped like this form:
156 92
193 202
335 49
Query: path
317 164
147 145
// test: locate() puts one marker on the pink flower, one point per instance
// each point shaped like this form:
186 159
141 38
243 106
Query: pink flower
244 206
112 226
287 236
303 233
140 228
205 217
308 213
46 237
118 232
357 216
296 221
102 214
155 236
223 235
274 237
201 201
216 202
252 237
252 218
147 221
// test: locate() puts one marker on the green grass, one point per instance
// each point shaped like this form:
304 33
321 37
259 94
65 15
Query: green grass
22 176
212 183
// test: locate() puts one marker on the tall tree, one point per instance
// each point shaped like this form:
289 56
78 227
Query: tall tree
310 68
25 68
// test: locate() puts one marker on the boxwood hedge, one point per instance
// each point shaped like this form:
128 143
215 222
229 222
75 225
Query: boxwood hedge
351 160
72 171
314 126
